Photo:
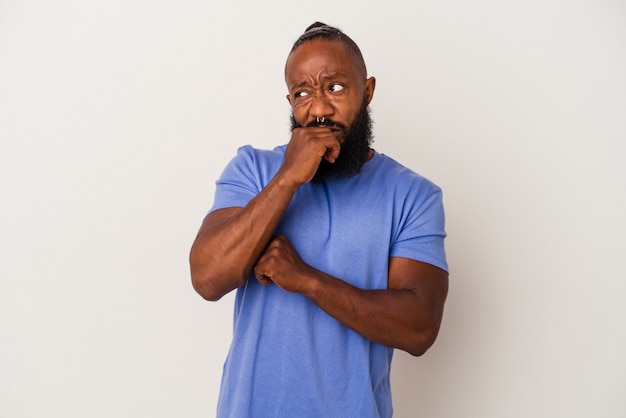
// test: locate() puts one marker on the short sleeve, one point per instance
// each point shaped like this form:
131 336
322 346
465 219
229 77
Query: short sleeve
238 183
422 232
246 175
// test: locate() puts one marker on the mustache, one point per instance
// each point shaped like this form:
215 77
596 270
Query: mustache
328 123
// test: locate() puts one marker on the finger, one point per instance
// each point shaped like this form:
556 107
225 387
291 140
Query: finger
326 143
280 238
332 153
332 146
262 277
264 280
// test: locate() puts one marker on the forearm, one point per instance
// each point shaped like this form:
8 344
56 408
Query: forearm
406 315
391 317
228 246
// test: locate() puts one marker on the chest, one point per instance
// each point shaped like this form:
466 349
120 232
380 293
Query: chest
344 231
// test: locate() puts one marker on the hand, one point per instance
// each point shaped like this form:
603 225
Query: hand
281 264
305 151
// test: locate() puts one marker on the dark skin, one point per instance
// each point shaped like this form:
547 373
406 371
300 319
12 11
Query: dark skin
324 80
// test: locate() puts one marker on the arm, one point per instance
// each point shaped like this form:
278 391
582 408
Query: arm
407 315
231 240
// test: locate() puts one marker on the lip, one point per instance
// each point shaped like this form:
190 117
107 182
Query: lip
337 132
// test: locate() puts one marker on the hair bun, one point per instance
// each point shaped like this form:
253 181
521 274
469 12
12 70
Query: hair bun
315 26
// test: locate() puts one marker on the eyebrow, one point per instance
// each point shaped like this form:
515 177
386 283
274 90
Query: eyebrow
323 78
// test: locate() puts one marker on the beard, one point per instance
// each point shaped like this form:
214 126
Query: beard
355 147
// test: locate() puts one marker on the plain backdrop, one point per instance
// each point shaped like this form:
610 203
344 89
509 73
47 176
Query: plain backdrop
117 117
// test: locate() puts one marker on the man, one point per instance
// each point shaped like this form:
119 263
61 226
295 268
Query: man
336 252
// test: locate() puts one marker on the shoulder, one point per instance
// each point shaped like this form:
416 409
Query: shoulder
250 154
400 177
253 166
249 159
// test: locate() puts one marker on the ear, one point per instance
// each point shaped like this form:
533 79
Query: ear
370 86
289 100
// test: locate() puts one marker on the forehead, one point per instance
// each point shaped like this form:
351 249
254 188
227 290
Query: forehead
320 57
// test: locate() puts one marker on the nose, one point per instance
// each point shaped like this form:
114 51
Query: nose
321 106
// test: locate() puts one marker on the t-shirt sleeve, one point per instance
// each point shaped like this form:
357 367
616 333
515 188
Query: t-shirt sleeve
239 182
422 234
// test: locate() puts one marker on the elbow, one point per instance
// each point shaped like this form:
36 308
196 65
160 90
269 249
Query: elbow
213 284
214 273
420 348
204 287
209 281
421 341
200 281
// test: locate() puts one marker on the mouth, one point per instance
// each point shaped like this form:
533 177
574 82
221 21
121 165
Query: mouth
335 127
336 131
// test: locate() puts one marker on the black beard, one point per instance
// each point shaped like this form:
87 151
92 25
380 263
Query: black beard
355 147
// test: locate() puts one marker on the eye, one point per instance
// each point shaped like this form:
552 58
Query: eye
300 93
335 87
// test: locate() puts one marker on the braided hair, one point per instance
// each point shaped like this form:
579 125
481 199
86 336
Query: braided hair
319 30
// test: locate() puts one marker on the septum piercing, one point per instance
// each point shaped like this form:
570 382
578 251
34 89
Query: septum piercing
318 120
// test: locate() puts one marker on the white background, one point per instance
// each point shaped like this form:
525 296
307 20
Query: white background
117 117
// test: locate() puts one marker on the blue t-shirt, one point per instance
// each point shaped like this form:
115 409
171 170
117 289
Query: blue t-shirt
288 358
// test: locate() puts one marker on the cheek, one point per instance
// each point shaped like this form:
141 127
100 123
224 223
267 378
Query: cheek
300 113
347 116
